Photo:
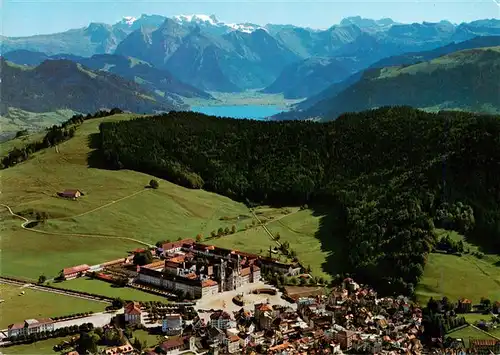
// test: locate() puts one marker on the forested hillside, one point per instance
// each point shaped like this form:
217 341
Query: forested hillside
389 175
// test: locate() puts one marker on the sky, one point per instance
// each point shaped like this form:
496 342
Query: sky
29 17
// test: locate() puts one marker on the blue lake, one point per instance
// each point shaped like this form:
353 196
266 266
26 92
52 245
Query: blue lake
240 111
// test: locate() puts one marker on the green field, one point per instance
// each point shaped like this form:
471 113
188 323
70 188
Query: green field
301 230
27 254
16 119
150 339
44 347
38 304
468 332
106 289
144 214
457 277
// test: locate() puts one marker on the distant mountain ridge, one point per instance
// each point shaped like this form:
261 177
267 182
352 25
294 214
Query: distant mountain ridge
63 84
466 80
211 54
150 78
404 59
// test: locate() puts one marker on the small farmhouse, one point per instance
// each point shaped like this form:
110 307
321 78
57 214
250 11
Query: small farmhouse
74 194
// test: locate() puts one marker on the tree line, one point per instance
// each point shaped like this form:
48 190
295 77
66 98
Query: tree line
54 136
387 175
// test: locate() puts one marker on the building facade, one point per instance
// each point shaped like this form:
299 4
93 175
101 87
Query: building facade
31 326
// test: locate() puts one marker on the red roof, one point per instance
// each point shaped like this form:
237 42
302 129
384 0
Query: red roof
76 269
245 271
234 338
16 326
172 343
484 342
133 308
154 265
178 244
208 283
264 307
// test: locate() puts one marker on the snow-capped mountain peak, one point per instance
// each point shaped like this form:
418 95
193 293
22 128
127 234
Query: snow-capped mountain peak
129 20
213 21
199 18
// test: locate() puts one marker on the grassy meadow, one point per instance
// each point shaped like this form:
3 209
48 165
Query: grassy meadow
116 205
16 120
39 304
106 289
44 347
457 277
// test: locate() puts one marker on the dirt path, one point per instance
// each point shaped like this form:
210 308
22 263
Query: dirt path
101 207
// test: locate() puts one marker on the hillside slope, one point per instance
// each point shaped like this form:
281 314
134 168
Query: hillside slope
143 73
379 173
465 80
60 84
144 214
309 77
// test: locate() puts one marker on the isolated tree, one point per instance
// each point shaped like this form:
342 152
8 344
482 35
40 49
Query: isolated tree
233 229
154 184
198 238
226 230
143 258
220 232
277 236
213 234
42 279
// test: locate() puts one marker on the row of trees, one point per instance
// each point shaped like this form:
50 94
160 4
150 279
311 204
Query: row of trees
386 177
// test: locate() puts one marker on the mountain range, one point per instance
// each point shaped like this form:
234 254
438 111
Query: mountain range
162 82
213 55
60 84
156 62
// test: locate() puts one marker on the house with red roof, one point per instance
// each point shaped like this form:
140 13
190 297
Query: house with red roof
75 271
133 313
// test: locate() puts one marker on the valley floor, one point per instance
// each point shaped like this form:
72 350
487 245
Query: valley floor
246 98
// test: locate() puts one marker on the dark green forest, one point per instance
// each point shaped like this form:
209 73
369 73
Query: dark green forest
388 175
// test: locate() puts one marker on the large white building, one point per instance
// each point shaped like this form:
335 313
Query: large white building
31 326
